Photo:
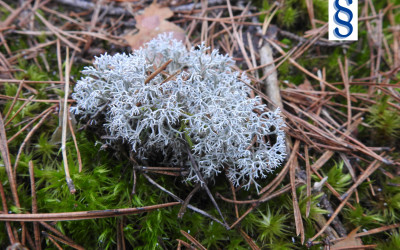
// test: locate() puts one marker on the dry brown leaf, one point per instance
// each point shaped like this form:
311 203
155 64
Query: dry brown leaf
306 85
152 23
349 241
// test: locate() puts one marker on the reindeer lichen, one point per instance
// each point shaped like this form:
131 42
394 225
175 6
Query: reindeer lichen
197 101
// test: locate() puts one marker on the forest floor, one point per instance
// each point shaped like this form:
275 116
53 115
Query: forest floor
338 189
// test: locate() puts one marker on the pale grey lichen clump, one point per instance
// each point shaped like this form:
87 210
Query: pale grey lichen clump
205 107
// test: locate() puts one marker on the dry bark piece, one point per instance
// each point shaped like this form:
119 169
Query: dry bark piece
152 23
271 82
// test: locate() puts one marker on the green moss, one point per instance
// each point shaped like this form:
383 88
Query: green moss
4 13
392 242
293 12
288 16
384 120
338 179
271 225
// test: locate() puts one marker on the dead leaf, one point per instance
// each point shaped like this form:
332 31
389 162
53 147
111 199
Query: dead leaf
306 85
349 241
152 23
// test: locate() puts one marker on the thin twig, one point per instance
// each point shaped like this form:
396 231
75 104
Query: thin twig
234 198
59 33
187 200
157 71
49 110
5 155
63 241
333 216
19 110
308 172
84 215
27 138
263 199
204 184
54 242
181 242
181 201
14 100
78 153
55 231
34 206
248 239
193 240
70 183
297 213
345 77
5 210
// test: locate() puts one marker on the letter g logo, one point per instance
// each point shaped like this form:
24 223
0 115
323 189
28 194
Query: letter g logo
343 19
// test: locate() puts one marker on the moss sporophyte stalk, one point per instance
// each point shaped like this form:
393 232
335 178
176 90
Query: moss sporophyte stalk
196 101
